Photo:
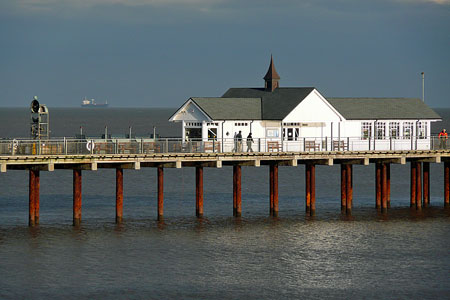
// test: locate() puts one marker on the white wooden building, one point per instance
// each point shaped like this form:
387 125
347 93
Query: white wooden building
301 119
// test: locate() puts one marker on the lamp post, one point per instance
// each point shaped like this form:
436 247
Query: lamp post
423 86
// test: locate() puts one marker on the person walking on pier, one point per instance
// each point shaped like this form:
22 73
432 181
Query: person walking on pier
249 142
443 139
239 141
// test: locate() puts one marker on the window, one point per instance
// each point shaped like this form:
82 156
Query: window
407 130
394 129
240 124
366 130
422 130
272 133
380 130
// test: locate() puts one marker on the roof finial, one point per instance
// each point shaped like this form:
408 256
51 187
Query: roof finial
272 77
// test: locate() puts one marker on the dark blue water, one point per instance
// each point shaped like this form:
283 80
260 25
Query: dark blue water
401 255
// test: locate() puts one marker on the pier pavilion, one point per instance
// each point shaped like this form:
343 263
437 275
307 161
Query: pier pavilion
302 119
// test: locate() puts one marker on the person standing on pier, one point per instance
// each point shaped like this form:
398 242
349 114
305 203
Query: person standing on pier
239 141
235 143
249 142
443 139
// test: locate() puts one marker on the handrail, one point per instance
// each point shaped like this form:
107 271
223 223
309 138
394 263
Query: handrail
90 145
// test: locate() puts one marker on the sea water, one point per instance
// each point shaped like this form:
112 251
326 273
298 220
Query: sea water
401 255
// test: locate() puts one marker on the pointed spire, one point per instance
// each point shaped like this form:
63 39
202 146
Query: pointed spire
271 72
271 77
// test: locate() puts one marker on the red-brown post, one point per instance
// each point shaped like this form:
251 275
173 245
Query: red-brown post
384 186
160 193
308 188
413 184
271 170
31 199
388 170
378 185
238 191
76 197
275 190
343 187
234 189
349 188
426 184
199 191
446 184
36 196
119 195
419 185
313 190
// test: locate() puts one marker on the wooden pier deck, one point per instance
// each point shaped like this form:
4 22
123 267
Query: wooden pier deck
419 160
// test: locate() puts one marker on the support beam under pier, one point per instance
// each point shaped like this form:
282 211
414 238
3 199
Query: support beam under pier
349 187
307 189
378 185
76 197
446 184
310 189
384 187
199 192
33 203
419 186
119 195
271 189
426 184
160 174
413 184
388 169
237 200
343 187
275 191
313 190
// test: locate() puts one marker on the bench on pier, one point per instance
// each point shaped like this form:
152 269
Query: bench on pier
52 148
212 146
340 146
103 148
151 147
128 148
312 146
273 146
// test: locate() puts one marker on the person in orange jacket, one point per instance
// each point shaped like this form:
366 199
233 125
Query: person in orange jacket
443 136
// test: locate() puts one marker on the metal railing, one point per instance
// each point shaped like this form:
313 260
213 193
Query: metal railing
71 146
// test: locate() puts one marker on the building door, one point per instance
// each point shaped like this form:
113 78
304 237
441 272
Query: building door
194 133
212 134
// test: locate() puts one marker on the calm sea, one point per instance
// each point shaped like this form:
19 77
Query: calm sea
404 255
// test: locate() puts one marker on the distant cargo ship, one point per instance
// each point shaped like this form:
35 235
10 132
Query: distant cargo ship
91 103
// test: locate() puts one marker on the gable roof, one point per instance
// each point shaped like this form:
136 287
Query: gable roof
382 108
230 108
276 105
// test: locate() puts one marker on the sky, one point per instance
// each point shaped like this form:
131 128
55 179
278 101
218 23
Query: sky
159 53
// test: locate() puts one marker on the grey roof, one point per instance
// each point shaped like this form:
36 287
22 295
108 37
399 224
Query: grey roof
382 108
230 108
276 105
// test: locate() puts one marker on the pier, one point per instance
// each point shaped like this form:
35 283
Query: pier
418 160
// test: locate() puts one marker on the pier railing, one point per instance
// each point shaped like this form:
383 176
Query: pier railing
72 146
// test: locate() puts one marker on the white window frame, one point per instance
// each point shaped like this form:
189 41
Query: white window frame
272 132
366 126
422 129
380 127
394 127
407 130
